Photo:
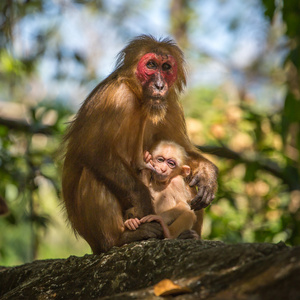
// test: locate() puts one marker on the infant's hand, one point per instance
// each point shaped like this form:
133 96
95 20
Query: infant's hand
147 157
132 224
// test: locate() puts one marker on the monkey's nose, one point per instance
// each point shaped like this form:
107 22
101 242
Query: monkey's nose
163 170
159 86
159 83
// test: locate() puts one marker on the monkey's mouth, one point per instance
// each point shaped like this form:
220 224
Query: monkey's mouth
157 105
159 177
157 101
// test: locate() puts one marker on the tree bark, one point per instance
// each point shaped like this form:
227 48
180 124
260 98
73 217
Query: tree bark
204 270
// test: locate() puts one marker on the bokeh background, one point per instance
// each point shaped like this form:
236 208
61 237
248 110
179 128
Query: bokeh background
242 107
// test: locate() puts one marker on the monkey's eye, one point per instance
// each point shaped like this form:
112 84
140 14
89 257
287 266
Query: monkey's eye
171 163
160 159
166 67
151 65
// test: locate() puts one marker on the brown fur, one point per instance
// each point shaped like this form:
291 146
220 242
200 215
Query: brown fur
104 150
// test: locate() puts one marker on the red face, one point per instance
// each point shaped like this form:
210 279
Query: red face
156 74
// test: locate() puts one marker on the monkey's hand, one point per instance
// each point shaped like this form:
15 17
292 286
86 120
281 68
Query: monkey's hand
205 178
147 156
132 224
148 161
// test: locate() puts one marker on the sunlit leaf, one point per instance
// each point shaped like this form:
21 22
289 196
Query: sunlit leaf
166 287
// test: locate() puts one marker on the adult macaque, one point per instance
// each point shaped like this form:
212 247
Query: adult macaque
171 195
133 108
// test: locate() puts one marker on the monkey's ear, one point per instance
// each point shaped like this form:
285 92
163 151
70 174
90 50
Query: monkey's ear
185 170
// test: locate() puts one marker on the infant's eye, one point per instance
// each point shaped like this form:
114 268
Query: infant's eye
160 159
171 163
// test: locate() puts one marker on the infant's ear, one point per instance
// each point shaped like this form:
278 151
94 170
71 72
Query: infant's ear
185 170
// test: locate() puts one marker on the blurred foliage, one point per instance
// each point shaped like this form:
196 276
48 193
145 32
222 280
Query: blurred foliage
256 149
258 197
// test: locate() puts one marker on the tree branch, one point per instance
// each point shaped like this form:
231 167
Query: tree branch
262 163
222 152
24 126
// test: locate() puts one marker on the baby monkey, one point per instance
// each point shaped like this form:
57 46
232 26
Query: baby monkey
164 175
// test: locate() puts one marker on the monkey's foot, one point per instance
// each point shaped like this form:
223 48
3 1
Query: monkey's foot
189 234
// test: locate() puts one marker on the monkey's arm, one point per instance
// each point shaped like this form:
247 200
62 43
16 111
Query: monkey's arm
144 232
100 152
160 220
126 186
204 176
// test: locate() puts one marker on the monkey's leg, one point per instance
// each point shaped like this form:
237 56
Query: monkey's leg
97 215
100 220
189 234
199 222
185 221
196 231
